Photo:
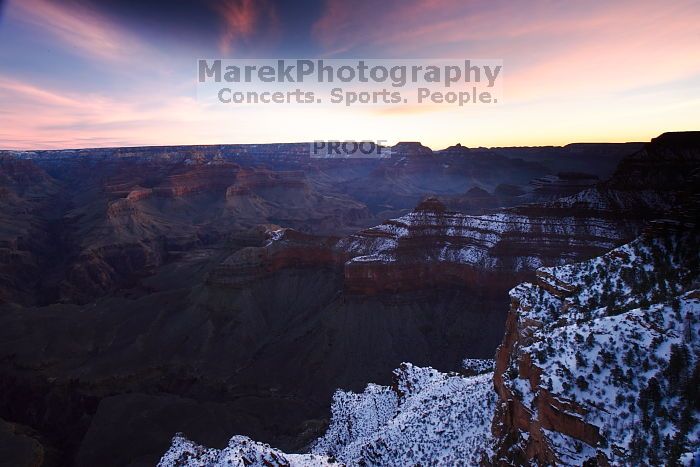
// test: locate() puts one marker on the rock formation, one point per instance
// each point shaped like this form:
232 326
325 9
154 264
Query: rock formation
425 417
571 374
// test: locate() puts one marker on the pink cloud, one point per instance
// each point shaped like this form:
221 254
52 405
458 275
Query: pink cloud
550 48
11 88
243 20
83 30
47 118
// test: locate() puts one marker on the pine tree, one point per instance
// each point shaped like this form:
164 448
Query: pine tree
580 360
581 383
676 363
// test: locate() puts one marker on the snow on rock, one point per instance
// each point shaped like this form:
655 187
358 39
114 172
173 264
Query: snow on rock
432 246
439 419
473 240
425 418
357 417
601 359
477 366
240 452
604 199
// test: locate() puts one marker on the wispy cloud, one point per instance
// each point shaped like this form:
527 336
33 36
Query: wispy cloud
12 89
78 27
550 48
41 117
245 20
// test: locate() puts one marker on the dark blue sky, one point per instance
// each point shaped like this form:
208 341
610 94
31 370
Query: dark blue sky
199 23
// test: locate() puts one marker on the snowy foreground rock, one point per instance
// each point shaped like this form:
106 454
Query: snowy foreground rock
426 417
600 363
241 451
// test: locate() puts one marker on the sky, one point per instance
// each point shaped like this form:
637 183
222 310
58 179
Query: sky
89 73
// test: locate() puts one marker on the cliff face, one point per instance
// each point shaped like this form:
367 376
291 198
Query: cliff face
572 379
99 270
288 198
199 179
22 446
26 195
586 345
561 185
282 249
432 246
138 222
670 160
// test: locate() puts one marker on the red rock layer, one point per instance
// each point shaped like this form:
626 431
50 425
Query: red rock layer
512 418
206 178
249 180
286 249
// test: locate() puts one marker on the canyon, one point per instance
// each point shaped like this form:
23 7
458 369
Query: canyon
216 290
